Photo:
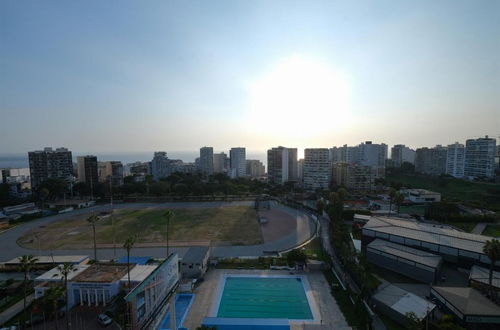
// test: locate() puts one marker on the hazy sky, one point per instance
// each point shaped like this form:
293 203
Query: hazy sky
178 75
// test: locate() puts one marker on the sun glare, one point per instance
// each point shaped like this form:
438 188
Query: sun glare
299 98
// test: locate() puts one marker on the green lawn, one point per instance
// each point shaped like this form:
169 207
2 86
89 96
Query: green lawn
232 225
493 231
413 209
485 195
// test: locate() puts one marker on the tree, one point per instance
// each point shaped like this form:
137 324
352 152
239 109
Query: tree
320 206
392 195
92 220
492 250
399 198
27 262
168 216
413 322
128 245
52 297
65 269
296 256
448 323
43 193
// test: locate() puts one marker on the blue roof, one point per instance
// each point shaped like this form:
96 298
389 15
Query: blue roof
134 260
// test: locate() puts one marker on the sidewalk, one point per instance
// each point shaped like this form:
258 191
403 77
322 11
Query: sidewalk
15 309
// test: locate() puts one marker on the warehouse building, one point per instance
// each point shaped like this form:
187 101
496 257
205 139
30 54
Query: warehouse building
419 265
454 246
395 303
469 306
479 278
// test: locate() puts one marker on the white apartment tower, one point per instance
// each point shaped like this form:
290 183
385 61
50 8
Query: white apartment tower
317 168
480 157
238 163
455 160
401 154
159 165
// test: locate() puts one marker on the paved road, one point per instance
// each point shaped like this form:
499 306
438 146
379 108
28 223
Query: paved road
479 228
15 309
305 228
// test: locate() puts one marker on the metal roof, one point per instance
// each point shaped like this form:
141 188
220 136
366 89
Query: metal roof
468 301
139 273
480 274
195 254
430 233
403 301
76 259
405 252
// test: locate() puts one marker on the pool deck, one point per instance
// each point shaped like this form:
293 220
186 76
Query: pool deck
326 311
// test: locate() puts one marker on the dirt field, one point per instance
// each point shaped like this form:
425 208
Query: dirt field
237 225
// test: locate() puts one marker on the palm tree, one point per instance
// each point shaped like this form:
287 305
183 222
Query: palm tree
128 245
392 195
52 297
492 249
92 220
399 198
65 269
27 262
168 215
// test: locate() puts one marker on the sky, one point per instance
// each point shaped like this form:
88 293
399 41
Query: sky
119 76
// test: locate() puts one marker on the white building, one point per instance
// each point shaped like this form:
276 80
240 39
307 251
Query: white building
455 160
282 165
480 157
207 160
238 163
255 168
317 168
420 196
401 154
159 165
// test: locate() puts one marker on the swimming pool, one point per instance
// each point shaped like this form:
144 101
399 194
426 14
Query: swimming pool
264 297
183 302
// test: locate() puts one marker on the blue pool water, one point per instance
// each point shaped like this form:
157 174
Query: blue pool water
183 302
264 298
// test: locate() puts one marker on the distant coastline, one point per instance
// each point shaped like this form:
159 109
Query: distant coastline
19 160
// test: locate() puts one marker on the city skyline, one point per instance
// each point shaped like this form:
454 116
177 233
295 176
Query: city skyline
124 77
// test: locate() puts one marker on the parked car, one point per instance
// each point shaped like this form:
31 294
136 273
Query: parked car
105 320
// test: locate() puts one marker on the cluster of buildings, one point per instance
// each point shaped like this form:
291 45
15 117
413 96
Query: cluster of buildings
419 251
208 163
478 158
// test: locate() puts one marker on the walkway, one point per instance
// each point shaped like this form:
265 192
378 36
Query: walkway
479 228
15 309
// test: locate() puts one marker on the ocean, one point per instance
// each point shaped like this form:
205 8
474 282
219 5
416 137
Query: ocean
21 160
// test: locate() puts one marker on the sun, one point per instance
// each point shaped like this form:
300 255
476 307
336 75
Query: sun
301 97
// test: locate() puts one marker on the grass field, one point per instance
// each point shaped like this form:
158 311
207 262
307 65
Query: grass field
493 231
484 195
232 225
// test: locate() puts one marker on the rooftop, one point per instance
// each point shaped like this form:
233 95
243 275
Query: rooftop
405 252
480 274
102 273
468 301
195 254
428 233
76 259
54 274
403 301
139 273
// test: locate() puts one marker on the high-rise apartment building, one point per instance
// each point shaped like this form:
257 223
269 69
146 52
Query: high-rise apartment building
238 164
402 154
255 168
317 168
86 167
480 157
50 164
455 160
300 170
159 165
354 176
282 165
431 161
111 171
207 160
220 163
